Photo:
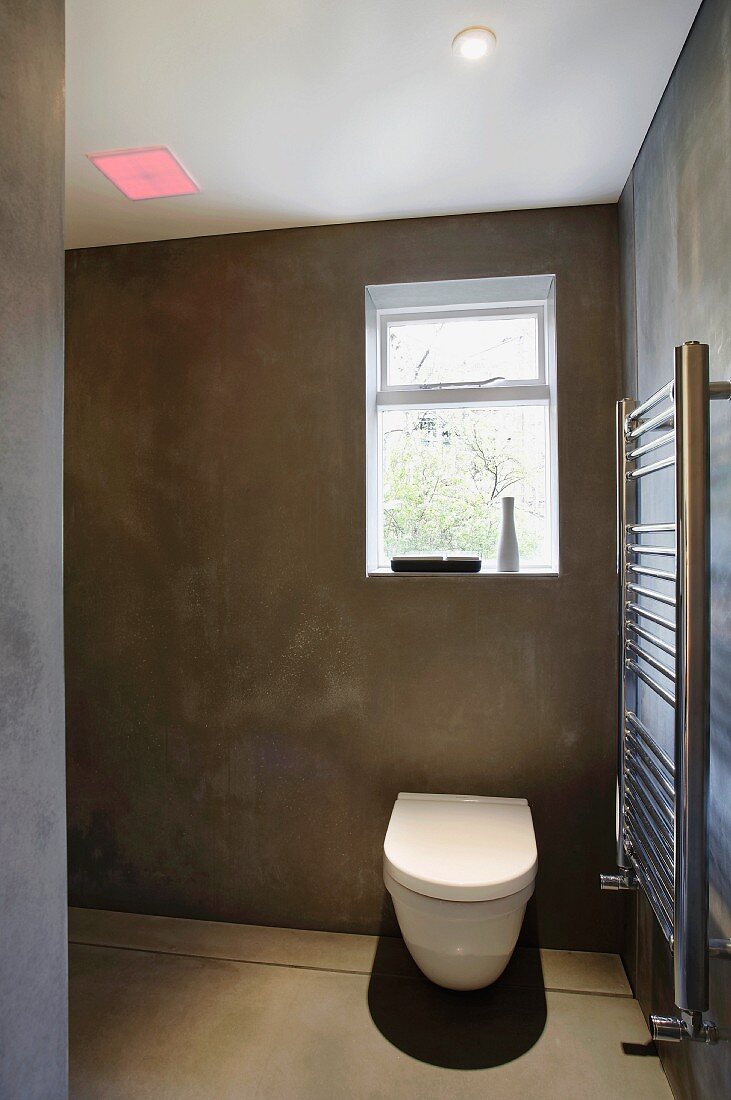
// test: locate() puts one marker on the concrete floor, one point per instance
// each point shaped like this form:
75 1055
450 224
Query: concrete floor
191 1010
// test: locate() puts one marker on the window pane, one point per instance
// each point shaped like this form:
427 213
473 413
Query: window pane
467 349
445 470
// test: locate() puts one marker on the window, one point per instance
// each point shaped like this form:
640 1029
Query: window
461 411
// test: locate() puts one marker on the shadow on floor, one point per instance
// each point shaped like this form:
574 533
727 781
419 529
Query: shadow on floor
489 1027
640 1050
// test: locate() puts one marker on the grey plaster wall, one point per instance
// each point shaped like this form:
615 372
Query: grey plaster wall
32 818
675 217
243 704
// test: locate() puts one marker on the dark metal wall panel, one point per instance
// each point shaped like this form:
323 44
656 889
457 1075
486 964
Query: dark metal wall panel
243 704
680 238
32 816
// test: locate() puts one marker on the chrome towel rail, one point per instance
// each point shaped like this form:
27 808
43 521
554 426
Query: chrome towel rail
661 597
648 636
637 548
638 730
652 661
653 445
646 571
662 393
632 666
660 421
662 842
643 471
644 613
649 528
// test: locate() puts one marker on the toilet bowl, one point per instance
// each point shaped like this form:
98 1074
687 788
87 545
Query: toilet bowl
460 870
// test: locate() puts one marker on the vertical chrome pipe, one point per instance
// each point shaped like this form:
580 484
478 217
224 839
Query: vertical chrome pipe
626 514
691 391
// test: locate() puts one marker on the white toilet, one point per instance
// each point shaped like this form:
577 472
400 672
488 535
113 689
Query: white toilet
460 870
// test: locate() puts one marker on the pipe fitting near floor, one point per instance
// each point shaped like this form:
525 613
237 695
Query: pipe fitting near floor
674 1029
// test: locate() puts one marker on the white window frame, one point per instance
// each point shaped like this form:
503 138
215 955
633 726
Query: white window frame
500 297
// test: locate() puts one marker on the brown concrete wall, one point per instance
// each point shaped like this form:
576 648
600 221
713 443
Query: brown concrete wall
32 818
675 215
243 704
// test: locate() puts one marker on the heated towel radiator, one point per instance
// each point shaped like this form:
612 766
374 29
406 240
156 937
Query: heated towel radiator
663 569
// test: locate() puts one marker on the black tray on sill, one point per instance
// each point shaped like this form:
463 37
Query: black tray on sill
435 564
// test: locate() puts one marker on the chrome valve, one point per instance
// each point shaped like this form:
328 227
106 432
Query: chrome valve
625 880
674 1029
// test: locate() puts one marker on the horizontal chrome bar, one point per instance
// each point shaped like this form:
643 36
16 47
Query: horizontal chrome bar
652 661
663 551
639 749
660 395
719 391
642 731
649 594
663 825
660 899
662 420
660 829
719 949
652 896
647 528
643 612
649 834
641 471
661 441
644 867
650 637
647 571
655 799
647 679
644 852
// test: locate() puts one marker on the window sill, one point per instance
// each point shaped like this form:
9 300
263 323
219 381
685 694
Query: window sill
484 572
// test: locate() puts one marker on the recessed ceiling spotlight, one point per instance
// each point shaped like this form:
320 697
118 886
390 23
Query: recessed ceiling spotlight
151 173
474 43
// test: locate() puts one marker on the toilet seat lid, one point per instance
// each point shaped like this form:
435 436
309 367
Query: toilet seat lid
461 847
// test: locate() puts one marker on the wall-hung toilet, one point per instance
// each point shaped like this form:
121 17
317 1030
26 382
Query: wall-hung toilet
460 870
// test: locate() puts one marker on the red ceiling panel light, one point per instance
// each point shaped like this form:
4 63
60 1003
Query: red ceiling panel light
152 173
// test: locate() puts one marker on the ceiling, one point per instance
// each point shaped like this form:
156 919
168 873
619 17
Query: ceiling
308 112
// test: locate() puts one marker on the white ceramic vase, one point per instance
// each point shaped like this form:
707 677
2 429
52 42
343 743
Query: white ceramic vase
508 556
